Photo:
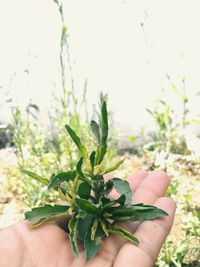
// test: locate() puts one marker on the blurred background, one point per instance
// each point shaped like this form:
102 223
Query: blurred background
59 59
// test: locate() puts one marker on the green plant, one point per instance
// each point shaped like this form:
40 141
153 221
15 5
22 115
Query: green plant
169 135
93 213
66 107
166 128
46 153
30 148
184 98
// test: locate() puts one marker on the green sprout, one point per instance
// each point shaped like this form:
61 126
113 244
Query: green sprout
91 214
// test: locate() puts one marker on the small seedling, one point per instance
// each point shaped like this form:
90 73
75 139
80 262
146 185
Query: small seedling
92 214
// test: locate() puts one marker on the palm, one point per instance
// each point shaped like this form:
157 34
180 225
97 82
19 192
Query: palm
49 245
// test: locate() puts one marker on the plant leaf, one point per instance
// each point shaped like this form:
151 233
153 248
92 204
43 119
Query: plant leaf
128 210
87 206
84 190
122 232
122 187
94 228
109 186
92 247
148 214
42 214
138 212
77 141
79 168
104 227
97 169
115 167
110 202
83 225
35 176
96 131
101 154
73 235
104 124
92 158
98 187
60 178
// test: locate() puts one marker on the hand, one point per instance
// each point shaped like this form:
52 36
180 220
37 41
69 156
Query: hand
48 245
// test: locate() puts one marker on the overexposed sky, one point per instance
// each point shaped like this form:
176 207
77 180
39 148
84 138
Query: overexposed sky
123 47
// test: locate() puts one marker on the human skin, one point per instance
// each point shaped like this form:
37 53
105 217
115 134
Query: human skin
49 246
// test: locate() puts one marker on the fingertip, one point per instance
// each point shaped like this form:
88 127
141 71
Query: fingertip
167 204
136 178
160 175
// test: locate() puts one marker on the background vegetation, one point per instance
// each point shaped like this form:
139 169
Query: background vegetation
171 147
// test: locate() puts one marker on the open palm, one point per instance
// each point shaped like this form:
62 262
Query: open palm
48 245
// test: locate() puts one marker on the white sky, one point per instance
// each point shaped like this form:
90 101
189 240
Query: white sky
108 46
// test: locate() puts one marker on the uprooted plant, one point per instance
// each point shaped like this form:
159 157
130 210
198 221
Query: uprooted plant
92 213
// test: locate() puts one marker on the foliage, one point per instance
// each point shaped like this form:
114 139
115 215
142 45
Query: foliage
170 134
94 214
166 136
182 245
45 153
30 146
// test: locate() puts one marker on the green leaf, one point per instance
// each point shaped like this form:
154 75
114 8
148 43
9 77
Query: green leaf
101 154
60 178
79 171
98 187
97 169
83 225
104 224
122 232
104 124
94 228
108 186
87 206
35 176
79 168
148 214
122 187
92 247
77 141
92 158
182 96
121 200
137 212
114 167
96 131
84 190
101 151
128 210
45 213
73 234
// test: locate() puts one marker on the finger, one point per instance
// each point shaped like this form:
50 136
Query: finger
151 235
135 179
152 187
